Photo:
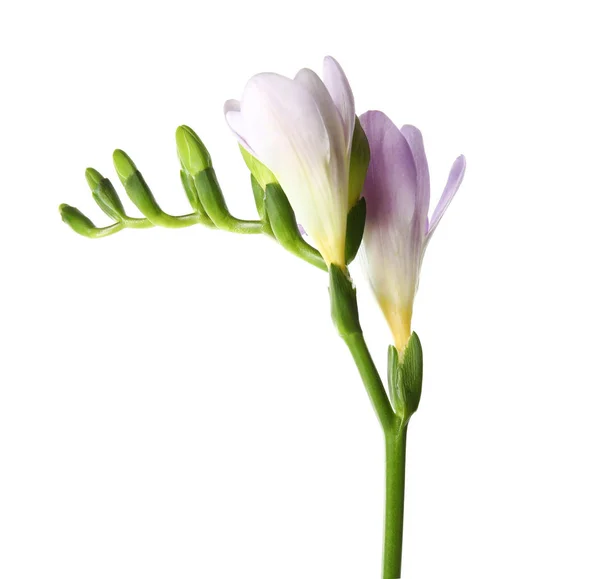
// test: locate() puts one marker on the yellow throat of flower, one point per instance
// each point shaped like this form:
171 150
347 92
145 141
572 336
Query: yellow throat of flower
399 321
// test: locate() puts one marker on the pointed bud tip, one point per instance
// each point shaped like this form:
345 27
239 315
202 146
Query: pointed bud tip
76 220
193 155
93 177
124 166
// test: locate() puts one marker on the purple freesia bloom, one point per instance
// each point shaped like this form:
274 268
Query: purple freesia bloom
398 229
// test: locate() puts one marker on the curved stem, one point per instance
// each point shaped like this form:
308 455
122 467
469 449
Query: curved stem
235 225
345 316
371 379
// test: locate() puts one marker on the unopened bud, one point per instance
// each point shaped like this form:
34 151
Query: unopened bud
193 155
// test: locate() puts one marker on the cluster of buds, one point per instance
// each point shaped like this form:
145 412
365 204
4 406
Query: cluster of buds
277 218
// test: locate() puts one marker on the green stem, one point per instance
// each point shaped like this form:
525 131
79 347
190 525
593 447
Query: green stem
394 430
395 465
370 377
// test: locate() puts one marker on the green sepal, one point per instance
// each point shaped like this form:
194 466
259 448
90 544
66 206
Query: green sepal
105 195
136 188
193 155
259 171
190 191
76 220
355 228
405 377
259 197
344 307
211 198
282 221
360 156
282 217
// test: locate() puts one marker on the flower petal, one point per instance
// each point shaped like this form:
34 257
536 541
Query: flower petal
454 180
391 182
414 139
285 127
392 242
330 114
339 88
234 119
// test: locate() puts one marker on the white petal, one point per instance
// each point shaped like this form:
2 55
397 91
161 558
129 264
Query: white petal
234 119
331 118
286 129
339 88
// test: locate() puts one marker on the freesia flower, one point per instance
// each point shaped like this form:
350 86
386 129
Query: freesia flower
302 129
398 230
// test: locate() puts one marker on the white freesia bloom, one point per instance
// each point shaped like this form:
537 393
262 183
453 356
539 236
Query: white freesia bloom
302 129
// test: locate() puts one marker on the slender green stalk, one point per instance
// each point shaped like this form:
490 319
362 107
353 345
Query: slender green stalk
395 466
370 377
394 429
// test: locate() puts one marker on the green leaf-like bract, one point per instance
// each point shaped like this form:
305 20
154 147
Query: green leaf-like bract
355 228
405 377
344 308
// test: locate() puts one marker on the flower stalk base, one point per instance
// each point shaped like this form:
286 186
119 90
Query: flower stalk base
395 466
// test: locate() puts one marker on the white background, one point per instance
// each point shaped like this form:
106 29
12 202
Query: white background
176 404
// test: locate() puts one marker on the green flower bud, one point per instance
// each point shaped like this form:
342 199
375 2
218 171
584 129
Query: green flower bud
124 166
360 157
405 377
212 199
355 228
93 178
193 155
344 308
76 220
259 171
136 188
190 191
105 195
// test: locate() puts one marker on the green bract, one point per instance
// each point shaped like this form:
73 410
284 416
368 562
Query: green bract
261 173
105 195
283 223
355 228
360 157
405 377
344 308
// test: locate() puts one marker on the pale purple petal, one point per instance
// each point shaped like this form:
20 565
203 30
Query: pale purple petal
339 88
454 180
234 119
415 142
392 242
391 183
